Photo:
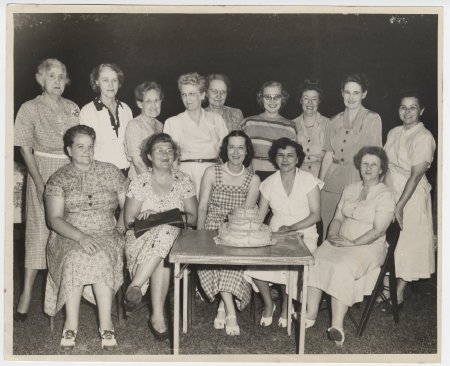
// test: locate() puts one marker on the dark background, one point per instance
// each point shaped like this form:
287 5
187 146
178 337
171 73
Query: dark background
395 52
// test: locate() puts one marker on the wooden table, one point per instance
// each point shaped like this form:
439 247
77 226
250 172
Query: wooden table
198 247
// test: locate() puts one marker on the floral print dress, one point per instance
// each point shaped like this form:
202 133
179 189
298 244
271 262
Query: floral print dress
90 200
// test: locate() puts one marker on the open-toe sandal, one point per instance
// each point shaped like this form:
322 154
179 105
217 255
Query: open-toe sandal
232 330
267 320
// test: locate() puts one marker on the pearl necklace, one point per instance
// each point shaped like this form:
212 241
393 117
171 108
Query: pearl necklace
231 173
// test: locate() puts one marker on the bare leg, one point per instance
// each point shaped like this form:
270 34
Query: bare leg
264 289
73 309
227 298
25 297
104 297
401 286
159 282
339 309
144 271
312 302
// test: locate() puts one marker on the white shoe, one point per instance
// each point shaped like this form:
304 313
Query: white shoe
232 330
219 322
68 339
309 323
108 339
267 320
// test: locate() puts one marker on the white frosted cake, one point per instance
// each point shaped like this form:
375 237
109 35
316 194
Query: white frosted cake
245 228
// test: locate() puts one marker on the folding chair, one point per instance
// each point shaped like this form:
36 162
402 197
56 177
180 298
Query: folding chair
392 235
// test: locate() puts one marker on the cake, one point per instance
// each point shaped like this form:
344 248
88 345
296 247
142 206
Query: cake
245 228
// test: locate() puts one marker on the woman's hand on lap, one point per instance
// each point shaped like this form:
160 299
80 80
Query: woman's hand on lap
145 214
88 244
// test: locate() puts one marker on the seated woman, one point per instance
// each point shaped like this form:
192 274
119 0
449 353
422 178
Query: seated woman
347 263
294 197
84 250
224 187
159 189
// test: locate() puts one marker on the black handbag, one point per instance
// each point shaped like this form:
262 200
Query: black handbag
172 217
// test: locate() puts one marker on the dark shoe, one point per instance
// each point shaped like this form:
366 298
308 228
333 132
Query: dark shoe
160 336
337 335
133 298
20 317
387 307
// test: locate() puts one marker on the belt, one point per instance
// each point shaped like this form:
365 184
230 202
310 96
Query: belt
341 162
199 161
49 155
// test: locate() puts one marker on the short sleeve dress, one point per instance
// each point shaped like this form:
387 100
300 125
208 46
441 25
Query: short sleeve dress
414 255
312 142
222 200
38 126
138 131
344 139
90 200
232 117
157 241
287 210
350 273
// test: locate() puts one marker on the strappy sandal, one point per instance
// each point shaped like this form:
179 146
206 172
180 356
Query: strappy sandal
267 320
219 322
232 330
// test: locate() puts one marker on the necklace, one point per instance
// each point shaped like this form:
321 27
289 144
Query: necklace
231 173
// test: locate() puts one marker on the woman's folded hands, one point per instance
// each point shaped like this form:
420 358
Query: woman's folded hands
340 241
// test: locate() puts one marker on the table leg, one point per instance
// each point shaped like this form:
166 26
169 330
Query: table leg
289 307
303 311
176 311
185 302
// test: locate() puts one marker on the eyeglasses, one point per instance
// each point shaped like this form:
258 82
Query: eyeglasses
216 92
270 98
306 100
163 151
189 95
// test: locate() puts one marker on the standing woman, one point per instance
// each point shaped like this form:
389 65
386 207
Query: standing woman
39 129
224 187
269 125
198 133
218 87
347 132
149 96
410 149
108 116
311 126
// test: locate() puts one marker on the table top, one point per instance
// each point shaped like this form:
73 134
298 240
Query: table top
198 247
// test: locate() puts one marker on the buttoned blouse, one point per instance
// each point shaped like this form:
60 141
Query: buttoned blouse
138 130
232 117
38 126
312 142
344 139
197 141
109 146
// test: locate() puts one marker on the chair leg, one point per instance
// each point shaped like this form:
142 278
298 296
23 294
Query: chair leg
330 313
253 308
393 292
191 295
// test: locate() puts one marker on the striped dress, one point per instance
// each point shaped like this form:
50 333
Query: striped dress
38 126
214 279
263 132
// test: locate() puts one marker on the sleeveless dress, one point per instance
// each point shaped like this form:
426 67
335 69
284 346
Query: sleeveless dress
214 279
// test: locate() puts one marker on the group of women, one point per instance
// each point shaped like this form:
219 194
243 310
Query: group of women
205 162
